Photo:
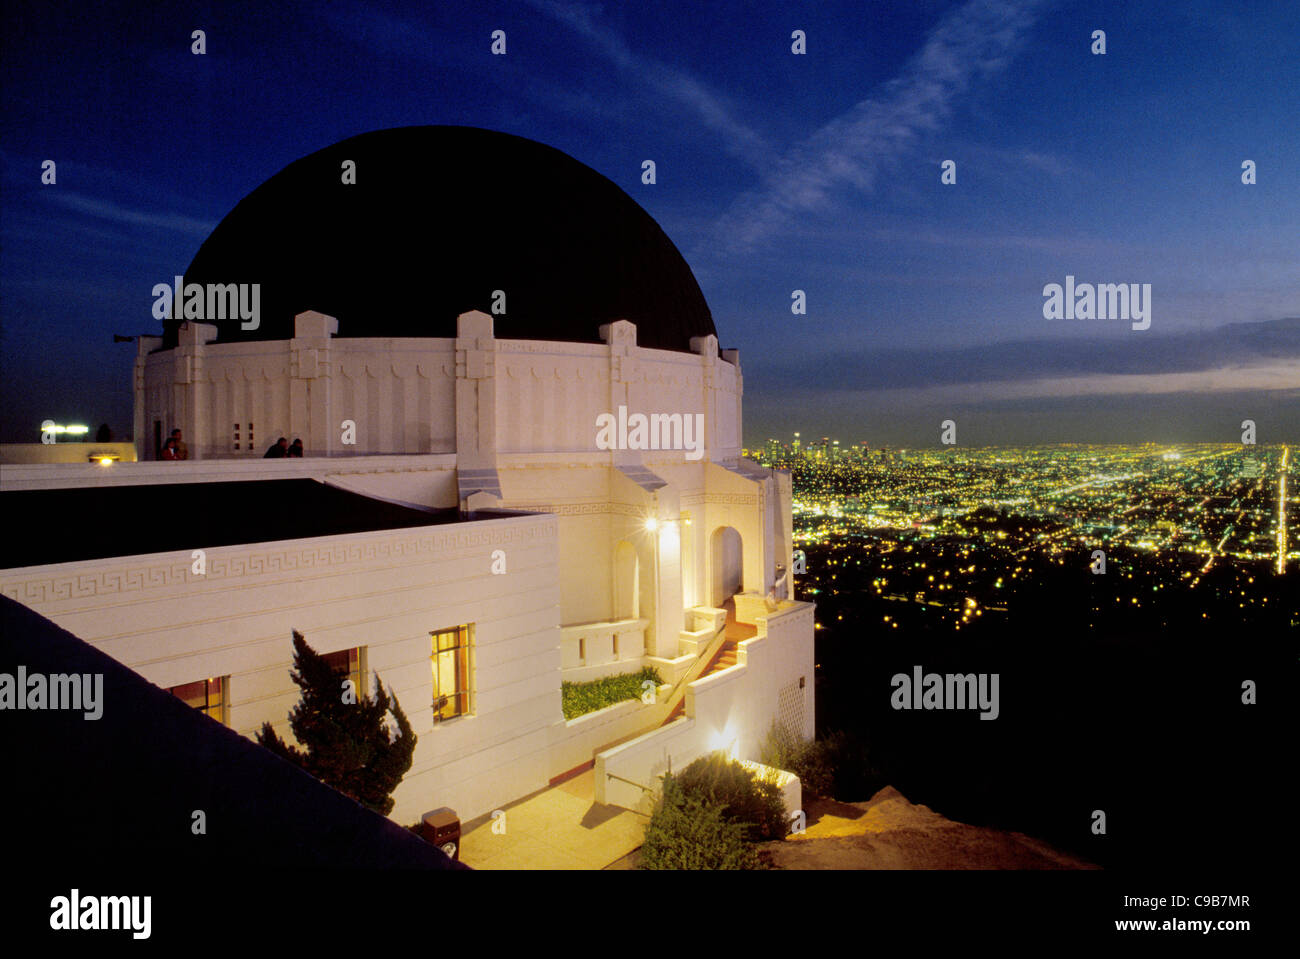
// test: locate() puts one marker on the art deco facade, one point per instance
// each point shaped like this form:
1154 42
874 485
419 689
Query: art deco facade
496 548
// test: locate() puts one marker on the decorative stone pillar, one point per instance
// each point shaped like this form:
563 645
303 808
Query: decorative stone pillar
665 638
707 347
187 386
620 337
476 393
310 410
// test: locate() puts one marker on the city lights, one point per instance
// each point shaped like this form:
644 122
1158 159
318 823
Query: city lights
1191 517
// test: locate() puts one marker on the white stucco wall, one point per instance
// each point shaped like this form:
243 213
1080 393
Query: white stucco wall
400 394
384 591
731 710
403 394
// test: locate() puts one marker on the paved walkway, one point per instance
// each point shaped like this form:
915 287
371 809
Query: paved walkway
563 827
557 828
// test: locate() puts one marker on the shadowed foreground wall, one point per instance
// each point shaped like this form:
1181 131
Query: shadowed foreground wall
119 792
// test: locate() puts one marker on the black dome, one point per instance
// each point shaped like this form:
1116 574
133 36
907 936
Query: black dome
439 218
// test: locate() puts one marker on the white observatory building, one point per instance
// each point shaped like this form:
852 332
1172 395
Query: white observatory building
446 334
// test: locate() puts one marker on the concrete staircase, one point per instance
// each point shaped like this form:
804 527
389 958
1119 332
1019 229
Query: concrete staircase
675 705
727 656
722 654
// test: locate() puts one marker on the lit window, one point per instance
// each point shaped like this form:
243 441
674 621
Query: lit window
450 658
206 695
346 664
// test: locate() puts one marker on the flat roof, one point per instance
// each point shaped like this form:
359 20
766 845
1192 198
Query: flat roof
99 522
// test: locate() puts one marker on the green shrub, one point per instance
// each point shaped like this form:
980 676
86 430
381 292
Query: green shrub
750 802
686 832
781 749
812 764
579 699
837 766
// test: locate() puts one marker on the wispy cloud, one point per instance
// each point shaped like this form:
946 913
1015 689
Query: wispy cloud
124 215
1015 160
427 44
708 106
135 205
1281 375
853 149
1056 245
1047 163
1226 354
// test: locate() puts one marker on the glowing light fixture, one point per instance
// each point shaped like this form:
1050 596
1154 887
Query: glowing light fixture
49 426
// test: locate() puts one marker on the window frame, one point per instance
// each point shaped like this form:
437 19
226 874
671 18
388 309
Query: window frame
222 699
463 694
355 673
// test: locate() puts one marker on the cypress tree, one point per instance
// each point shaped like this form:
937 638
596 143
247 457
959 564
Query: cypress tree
346 741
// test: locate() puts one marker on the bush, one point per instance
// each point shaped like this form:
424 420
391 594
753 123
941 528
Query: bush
686 832
579 699
346 742
750 802
781 749
837 766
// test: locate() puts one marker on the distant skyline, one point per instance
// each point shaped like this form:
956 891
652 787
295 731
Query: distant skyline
776 172
808 438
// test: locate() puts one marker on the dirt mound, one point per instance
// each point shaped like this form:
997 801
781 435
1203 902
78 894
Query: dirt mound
889 832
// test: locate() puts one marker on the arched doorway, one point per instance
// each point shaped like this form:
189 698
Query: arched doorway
726 554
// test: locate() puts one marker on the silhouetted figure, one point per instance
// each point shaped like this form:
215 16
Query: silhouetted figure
278 451
295 449
103 434
182 451
169 450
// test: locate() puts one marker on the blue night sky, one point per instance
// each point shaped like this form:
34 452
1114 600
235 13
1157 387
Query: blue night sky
776 172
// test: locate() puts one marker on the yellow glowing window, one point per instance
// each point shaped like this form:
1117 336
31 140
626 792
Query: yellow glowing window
206 695
450 661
